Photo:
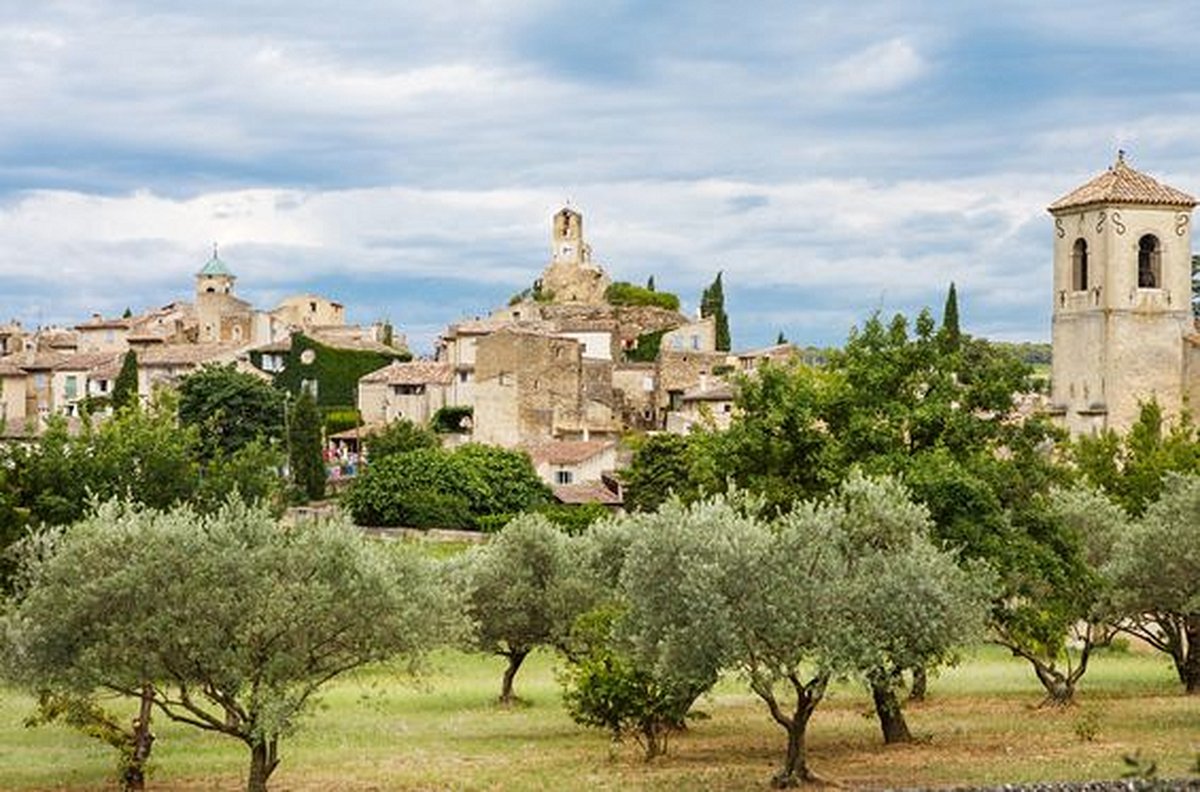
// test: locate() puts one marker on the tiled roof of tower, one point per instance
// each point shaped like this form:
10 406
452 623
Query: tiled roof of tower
1121 184
215 267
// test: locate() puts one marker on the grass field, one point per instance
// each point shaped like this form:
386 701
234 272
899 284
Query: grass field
373 732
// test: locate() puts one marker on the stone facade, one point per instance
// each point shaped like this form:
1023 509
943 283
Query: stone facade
677 372
310 310
413 391
530 387
1122 300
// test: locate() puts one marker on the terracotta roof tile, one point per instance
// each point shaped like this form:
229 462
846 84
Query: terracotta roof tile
567 452
417 372
1121 184
587 492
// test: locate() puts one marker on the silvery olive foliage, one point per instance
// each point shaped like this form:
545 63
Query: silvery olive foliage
234 620
1155 568
521 590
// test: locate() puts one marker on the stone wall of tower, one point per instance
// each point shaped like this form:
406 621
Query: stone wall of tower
1115 344
571 276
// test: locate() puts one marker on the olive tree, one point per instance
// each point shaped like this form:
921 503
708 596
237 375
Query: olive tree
229 622
848 585
905 602
1155 567
521 591
685 571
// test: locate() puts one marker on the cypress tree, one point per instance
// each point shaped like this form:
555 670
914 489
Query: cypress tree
125 388
950 330
781 340
712 303
304 448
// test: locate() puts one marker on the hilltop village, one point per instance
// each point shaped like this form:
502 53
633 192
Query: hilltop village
570 364
561 371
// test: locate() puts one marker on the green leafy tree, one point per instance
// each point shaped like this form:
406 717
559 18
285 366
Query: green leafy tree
1130 468
712 303
253 472
605 689
1056 608
521 592
432 488
295 609
1155 566
84 714
623 293
398 437
231 408
125 387
510 485
669 464
785 442
304 448
143 455
847 585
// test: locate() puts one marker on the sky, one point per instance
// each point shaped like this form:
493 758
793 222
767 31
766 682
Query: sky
831 159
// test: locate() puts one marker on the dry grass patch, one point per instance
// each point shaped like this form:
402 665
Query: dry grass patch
980 726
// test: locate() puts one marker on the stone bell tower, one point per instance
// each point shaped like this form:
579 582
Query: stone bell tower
571 276
1122 312
567 238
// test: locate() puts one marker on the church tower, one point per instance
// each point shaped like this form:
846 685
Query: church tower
214 292
1122 299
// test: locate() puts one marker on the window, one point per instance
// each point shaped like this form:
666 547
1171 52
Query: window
563 476
463 376
1149 262
1079 266
309 386
71 387
695 342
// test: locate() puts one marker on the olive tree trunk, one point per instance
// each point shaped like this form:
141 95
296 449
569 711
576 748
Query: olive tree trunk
133 773
263 761
515 659
888 708
920 684
795 770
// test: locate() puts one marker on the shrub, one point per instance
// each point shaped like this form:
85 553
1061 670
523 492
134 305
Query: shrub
449 420
646 348
430 487
622 293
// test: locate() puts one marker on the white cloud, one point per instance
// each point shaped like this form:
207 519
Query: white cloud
880 68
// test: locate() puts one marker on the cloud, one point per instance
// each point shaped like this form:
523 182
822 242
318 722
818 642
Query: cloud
405 158
880 68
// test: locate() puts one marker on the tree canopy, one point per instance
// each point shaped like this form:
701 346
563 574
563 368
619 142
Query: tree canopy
521 590
231 408
124 601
